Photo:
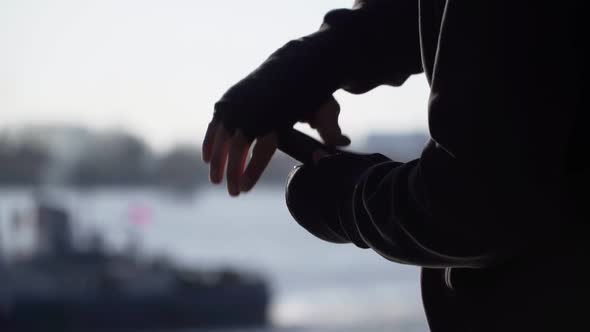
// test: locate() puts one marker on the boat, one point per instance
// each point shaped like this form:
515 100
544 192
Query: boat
63 287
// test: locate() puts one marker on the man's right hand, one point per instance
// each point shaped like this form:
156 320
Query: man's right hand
220 148
352 50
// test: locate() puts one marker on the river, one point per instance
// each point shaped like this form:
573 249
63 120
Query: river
318 286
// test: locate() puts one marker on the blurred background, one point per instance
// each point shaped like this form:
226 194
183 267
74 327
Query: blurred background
107 218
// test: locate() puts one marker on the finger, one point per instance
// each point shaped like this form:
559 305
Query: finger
219 154
263 150
329 107
208 141
331 134
238 152
326 123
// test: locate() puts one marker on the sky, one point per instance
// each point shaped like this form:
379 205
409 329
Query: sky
156 67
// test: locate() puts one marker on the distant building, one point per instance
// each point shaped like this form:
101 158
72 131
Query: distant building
64 144
57 138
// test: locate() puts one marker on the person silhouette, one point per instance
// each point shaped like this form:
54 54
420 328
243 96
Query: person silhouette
494 209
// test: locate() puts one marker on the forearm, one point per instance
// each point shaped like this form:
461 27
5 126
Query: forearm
355 49
383 42
489 186
289 86
394 215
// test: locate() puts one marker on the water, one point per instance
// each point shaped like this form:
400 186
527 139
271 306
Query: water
318 286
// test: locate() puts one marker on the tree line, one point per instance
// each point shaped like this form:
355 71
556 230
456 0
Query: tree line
108 159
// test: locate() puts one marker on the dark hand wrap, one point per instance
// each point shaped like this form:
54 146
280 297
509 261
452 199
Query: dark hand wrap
356 50
320 196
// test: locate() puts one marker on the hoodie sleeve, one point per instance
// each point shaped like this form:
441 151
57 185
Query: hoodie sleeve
375 43
489 185
384 43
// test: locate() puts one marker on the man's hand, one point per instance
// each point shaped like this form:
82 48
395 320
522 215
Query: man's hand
221 149
321 196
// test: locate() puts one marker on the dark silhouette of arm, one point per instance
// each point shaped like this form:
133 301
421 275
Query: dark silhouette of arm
356 49
489 185
383 43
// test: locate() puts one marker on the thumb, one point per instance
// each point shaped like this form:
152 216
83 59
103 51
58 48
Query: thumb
332 135
326 123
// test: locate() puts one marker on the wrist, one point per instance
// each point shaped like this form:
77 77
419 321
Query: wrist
290 86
